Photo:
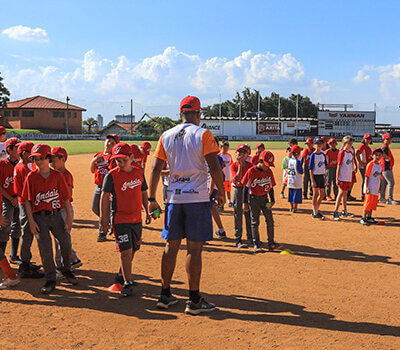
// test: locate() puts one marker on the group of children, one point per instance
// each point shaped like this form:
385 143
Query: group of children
36 199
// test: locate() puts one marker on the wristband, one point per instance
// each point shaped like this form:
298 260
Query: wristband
151 199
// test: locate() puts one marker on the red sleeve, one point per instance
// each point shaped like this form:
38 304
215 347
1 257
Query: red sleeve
234 169
360 148
246 178
304 153
368 169
65 193
340 157
26 191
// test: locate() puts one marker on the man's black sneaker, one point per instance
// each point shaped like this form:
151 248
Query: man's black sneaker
319 216
48 287
127 289
119 279
69 275
346 214
25 271
101 238
364 221
336 215
164 302
372 221
200 307
15 260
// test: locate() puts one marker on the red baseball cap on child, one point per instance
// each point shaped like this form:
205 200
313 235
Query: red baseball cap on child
367 136
267 157
331 140
243 147
324 139
190 104
260 144
136 155
59 152
146 146
386 136
25 147
296 149
12 141
2 130
309 141
114 136
41 150
121 150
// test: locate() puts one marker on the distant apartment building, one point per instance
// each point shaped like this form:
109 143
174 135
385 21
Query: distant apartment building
100 121
42 113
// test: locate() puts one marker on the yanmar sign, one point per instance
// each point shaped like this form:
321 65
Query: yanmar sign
349 115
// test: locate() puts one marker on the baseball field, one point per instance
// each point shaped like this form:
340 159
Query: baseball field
339 290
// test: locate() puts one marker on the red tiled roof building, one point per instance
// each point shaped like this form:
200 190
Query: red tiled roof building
42 113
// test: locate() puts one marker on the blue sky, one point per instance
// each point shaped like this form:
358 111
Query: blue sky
103 53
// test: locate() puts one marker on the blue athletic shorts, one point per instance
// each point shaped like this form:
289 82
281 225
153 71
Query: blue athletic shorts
295 195
189 220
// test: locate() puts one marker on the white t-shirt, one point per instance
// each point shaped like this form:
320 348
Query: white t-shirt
374 172
318 163
227 165
294 171
345 159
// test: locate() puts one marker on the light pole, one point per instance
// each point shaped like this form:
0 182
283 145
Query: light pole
67 120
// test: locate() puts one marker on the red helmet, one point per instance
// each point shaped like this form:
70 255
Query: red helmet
267 157
309 141
386 136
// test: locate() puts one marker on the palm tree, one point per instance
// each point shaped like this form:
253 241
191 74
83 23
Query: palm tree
90 123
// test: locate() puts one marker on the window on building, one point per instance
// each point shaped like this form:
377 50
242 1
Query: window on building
15 113
7 113
75 115
58 114
28 113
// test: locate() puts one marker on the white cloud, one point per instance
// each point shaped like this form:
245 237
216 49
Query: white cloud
163 79
23 33
320 88
361 76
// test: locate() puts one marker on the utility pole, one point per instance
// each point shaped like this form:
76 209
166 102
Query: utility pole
67 120
220 111
297 112
131 116
240 115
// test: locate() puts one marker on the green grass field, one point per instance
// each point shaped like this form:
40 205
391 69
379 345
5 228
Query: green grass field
94 146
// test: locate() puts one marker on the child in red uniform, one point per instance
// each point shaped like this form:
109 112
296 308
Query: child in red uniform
99 166
261 182
145 149
10 277
128 189
305 158
331 155
45 193
10 201
59 157
21 171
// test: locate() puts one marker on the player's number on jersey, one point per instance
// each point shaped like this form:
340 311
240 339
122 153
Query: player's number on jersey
291 172
56 204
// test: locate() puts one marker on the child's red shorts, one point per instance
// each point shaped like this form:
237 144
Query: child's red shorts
370 202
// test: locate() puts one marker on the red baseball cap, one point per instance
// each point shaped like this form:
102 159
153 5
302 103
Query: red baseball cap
331 140
121 150
2 130
12 141
114 136
40 150
25 147
386 136
267 157
377 149
146 146
260 144
324 139
309 141
190 104
296 149
367 136
243 147
136 155
59 152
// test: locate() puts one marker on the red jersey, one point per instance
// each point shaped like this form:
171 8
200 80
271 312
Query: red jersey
7 176
259 181
126 189
144 160
332 157
45 194
102 167
234 171
69 179
365 154
21 171
306 155
255 159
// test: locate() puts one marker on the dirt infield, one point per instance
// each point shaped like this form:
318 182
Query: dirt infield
340 290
